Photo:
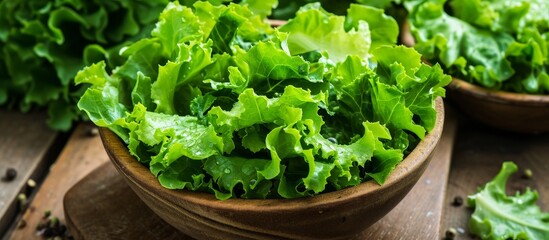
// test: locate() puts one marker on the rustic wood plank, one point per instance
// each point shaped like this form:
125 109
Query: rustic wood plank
25 145
82 154
94 209
478 156
418 215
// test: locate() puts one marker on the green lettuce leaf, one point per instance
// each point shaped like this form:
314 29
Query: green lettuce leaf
383 29
496 44
261 7
314 30
55 39
218 101
499 216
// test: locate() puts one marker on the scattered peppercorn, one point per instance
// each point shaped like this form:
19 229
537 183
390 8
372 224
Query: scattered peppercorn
54 222
22 197
458 201
23 203
51 228
47 214
9 175
92 131
21 224
40 226
48 233
31 183
451 233
527 174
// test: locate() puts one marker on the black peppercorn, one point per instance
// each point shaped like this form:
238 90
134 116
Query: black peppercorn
9 175
451 233
527 174
458 201
92 131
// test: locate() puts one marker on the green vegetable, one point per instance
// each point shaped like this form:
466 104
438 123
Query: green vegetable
287 9
216 100
498 44
43 44
499 216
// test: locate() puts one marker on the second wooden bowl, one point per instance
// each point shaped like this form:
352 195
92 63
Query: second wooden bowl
516 112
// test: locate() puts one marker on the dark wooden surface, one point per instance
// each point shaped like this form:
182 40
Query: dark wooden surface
478 155
27 145
82 154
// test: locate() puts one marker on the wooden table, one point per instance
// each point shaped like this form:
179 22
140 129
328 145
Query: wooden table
59 161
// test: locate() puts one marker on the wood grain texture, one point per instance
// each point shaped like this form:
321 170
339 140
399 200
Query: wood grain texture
102 206
478 156
25 143
418 215
81 155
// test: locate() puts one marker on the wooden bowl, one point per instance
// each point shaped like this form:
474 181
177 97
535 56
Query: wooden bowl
516 112
335 215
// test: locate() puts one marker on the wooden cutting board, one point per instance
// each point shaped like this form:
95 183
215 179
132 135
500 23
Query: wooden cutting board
102 206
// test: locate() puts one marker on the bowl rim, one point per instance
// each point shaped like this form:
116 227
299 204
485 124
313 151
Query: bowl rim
140 175
505 97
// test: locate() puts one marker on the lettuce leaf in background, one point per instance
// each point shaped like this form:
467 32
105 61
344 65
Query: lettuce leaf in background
287 9
43 44
333 38
216 100
383 29
53 40
380 3
499 216
499 44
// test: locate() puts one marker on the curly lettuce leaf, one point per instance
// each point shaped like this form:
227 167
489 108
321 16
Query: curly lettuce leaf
496 44
499 216
268 68
287 9
503 15
55 39
229 107
420 84
176 24
263 8
314 30
379 3
383 29
101 103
